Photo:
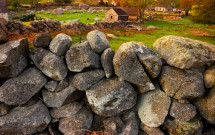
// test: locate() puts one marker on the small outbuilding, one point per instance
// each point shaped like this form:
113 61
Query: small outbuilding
116 14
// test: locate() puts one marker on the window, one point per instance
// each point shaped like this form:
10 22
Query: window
111 17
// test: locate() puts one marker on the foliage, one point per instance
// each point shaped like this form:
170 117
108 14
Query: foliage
186 5
101 3
64 1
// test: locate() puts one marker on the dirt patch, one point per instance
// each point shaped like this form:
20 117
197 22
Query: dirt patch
200 33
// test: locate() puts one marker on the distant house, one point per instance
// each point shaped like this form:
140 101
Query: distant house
163 7
132 12
116 14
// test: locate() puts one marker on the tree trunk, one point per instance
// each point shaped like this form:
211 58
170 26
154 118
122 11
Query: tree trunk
186 13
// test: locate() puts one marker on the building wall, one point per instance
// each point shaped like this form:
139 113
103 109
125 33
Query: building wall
160 9
111 16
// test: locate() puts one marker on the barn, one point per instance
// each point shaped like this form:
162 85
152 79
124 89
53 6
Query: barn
116 14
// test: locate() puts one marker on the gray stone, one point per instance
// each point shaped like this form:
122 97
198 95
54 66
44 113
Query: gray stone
177 127
98 41
182 111
209 77
189 84
51 85
128 68
77 124
67 110
151 61
42 40
51 65
62 85
58 11
151 130
80 57
25 120
60 44
111 97
184 53
152 27
19 90
83 81
206 106
13 57
107 62
4 109
113 125
3 33
153 107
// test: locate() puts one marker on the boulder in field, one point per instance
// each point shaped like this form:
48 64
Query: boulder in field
127 66
83 81
13 57
78 124
60 44
25 120
42 40
189 84
58 11
50 64
153 107
209 77
98 41
19 90
206 106
184 53
111 97
81 57
107 62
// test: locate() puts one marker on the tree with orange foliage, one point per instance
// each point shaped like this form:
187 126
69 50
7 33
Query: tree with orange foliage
186 5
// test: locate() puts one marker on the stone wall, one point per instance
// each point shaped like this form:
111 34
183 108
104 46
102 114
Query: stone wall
57 89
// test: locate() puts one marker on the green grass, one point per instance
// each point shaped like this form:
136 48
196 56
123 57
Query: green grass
69 15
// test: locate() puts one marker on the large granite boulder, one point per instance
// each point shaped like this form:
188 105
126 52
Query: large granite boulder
209 77
151 61
206 106
83 81
182 111
153 107
177 127
42 40
184 53
13 57
25 120
19 90
111 97
3 33
127 66
50 64
60 44
107 62
180 84
78 124
81 57
98 41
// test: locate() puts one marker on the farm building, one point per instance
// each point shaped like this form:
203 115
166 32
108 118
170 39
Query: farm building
132 12
116 14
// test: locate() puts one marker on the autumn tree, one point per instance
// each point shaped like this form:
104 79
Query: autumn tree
186 5
142 5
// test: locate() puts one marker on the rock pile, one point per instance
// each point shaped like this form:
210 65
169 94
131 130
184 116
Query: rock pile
64 89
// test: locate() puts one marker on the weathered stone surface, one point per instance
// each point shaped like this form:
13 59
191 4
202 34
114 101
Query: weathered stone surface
4 109
62 85
42 40
63 97
58 11
3 33
107 62
127 67
19 90
98 41
67 110
151 61
80 57
50 64
153 107
53 129
60 44
209 77
77 124
83 81
189 82
113 125
25 120
182 111
206 106
111 97
13 57
151 130
176 127
51 85
184 53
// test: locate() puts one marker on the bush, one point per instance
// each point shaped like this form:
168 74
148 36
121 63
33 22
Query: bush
101 3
